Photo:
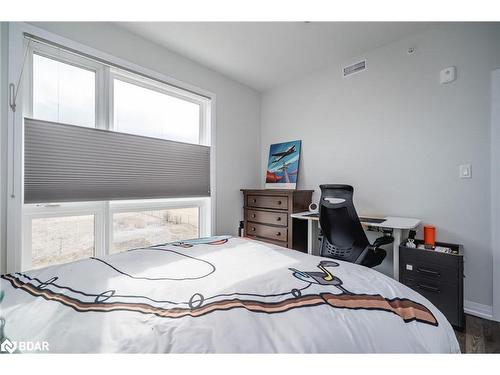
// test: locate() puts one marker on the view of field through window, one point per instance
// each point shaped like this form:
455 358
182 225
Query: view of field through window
57 240
153 227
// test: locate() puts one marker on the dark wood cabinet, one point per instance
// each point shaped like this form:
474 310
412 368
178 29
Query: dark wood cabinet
438 277
267 216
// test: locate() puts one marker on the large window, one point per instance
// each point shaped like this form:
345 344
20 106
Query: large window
68 88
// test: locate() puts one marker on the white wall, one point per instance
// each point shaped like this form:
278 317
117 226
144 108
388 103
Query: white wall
3 139
399 136
495 189
238 108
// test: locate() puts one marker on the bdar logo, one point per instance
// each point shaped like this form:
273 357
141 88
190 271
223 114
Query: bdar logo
8 346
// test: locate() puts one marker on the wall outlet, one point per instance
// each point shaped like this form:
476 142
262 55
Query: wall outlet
465 171
448 75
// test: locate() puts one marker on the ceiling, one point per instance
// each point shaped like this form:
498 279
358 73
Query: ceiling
264 55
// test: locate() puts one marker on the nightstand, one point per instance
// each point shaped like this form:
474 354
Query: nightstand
437 276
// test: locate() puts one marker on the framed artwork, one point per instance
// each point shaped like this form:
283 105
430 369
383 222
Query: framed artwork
283 165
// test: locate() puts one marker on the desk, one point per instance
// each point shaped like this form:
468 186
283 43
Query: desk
396 224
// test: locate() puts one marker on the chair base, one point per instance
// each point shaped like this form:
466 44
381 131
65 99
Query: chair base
374 258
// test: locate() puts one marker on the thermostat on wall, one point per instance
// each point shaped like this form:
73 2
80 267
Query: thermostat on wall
448 75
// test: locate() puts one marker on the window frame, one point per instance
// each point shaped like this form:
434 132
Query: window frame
65 57
36 211
204 133
103 212
17 212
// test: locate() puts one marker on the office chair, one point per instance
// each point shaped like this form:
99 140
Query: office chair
343 235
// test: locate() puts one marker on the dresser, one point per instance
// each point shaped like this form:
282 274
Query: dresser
439 277
267 216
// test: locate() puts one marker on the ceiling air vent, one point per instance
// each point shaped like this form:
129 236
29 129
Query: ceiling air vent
354 68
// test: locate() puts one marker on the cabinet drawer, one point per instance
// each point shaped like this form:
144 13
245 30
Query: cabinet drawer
266 231
268 201
442 295
266 217
430 256
414 267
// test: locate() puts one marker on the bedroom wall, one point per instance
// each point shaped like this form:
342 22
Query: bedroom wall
3 136
399 136
238 107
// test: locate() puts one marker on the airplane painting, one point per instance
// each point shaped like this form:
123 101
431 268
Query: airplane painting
280 155
283 165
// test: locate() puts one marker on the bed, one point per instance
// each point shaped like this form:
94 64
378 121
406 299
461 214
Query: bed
219 295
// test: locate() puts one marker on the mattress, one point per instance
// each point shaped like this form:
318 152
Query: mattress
218 295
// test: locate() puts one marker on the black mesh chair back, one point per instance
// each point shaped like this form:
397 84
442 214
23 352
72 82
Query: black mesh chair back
343 235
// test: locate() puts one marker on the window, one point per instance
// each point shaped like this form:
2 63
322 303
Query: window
61 239
60 233
68 88
63 92
145 111
145 228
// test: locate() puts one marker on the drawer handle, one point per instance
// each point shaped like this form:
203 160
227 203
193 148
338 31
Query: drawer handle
254 216
278 218
429 288
254 200
279 203
253 229
428 272
278 233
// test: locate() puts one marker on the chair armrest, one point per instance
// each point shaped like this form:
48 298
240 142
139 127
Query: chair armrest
384 240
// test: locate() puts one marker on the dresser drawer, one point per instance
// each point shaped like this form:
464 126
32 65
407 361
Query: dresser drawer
268 201
266 217
266 231
444 296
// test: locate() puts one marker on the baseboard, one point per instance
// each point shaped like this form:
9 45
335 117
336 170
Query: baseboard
479 310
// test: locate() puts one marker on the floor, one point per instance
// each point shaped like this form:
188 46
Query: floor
479 336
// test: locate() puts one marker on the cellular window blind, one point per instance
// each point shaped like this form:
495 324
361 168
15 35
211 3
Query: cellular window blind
67 163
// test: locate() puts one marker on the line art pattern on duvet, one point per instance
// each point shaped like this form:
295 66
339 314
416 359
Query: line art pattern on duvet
198 305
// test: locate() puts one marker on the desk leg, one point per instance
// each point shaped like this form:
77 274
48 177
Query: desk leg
395 252
310 235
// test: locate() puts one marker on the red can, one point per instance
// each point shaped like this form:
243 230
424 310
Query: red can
430 235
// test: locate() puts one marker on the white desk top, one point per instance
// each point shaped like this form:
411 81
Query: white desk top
390 221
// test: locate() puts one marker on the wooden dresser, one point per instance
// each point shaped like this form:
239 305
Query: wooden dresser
267 216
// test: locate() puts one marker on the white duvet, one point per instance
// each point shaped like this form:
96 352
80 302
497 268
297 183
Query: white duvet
219 295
